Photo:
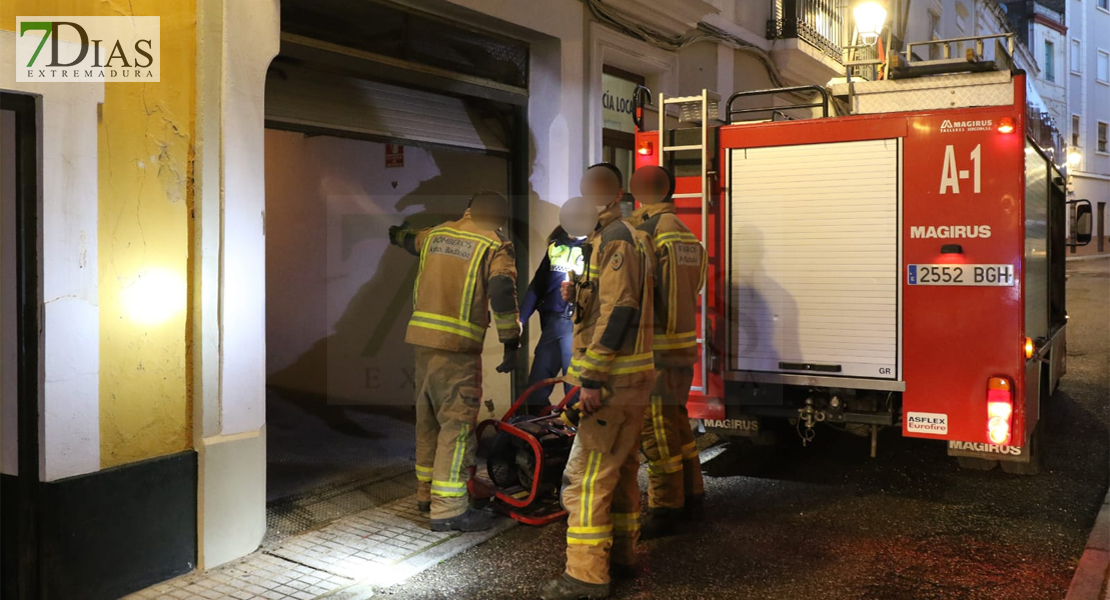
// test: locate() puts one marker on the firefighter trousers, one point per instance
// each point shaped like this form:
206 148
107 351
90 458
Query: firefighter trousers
600 490
448 390
674 469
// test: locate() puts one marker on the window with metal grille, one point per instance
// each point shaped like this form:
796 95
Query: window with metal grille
415 37
819 22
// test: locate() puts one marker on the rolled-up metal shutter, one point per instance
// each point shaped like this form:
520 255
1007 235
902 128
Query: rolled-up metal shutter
330 103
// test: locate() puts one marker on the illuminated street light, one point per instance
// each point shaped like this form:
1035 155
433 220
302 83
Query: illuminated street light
1074 158
870 17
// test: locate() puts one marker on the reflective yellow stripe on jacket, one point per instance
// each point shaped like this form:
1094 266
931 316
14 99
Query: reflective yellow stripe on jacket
676 236
621 365
447 324
675 341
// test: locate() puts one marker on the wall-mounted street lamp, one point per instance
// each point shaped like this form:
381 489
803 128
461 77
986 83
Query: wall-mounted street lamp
1074 157
870 17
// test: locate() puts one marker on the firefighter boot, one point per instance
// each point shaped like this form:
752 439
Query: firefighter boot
471 520
424 505
566 587
662 522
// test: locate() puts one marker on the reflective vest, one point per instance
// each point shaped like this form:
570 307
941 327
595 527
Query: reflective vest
565 259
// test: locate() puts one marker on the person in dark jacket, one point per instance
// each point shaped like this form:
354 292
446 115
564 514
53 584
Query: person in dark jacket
552 357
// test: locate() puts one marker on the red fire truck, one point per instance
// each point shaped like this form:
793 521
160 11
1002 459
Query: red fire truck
883 253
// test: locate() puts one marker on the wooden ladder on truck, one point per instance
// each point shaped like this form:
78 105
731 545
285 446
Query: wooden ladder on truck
701 108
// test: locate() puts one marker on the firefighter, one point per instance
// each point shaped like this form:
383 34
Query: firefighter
675 488
612 363
467 267
552 356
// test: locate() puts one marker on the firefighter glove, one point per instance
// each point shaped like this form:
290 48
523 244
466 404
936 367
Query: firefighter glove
396 235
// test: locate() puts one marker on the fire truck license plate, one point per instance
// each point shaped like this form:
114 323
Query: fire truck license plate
981 275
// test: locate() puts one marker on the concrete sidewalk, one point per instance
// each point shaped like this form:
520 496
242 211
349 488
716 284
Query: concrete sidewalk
346 560
1092 576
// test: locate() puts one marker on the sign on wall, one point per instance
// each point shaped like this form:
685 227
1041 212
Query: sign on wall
394 156
617 103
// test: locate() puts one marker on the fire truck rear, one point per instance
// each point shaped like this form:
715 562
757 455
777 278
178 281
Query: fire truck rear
883 253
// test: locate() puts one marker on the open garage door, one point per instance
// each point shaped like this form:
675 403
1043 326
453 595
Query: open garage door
357 142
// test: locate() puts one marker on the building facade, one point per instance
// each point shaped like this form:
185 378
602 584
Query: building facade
170 214
1042 28
1089 109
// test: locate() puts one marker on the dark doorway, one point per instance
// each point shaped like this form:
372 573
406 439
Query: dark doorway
20 327
401 127
340 423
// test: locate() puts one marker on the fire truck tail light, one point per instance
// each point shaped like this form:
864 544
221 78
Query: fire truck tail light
1000 410
999 432
1029 348
645 148
1006 125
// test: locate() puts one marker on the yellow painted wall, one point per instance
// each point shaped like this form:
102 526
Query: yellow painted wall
145 155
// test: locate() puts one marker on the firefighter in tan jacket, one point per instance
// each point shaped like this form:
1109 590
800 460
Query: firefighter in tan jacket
612 362
675 488
466 268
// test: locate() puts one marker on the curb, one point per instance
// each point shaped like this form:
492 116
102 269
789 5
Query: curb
1093 572
403 570
1088 257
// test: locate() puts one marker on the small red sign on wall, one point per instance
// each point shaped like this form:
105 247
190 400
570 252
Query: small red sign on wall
394 156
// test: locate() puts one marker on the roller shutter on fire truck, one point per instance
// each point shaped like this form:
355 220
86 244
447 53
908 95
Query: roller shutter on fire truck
815 259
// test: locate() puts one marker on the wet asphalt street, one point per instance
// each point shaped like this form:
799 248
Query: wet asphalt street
828 522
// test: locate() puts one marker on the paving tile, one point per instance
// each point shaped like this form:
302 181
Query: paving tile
307 566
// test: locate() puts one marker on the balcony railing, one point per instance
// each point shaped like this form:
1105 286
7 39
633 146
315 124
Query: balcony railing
1048 13
821 23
